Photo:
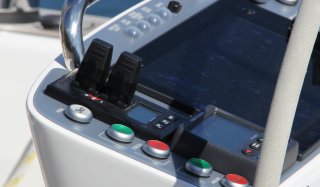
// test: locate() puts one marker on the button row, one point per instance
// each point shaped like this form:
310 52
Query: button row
152 19
156 148
125 134
253 146
165 122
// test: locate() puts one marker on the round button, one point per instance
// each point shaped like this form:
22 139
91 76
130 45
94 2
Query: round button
143 25
164 13
199 167
174 6
248 152
260 140
156 149
120 133
234 180
78 113
133 31
154 19
289 2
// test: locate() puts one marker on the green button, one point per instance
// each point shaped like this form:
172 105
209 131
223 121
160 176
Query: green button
122 129
200 163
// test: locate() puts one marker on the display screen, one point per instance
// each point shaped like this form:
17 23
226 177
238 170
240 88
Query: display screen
143 114
225 57
222 132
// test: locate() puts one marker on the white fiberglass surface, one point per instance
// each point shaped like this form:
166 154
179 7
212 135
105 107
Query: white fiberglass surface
22 58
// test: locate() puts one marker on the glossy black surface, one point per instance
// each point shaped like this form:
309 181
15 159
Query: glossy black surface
229 55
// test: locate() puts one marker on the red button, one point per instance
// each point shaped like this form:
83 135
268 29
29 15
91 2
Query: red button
248 152
237 179
158 145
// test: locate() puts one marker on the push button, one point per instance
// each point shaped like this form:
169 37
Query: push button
199 167
234 180
133 32
164 13
166 122
154 19
120 133
174 6
159 125
255 145
143 25
156 149
248 152
78 113
260 140
171 118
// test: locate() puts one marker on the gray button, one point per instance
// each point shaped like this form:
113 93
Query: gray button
234 180
199 167
120 133
289 2
154 19
133 32
78 113
156 149
143 25
165 13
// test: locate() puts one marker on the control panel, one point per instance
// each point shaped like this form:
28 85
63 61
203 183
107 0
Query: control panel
120 100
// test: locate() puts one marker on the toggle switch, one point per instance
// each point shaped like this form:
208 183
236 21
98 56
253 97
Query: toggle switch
123 80
94 69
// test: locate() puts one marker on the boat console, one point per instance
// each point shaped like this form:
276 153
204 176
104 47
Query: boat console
171 93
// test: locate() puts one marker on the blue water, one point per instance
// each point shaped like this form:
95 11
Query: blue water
107 8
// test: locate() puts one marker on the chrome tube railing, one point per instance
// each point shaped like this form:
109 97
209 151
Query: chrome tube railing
71 32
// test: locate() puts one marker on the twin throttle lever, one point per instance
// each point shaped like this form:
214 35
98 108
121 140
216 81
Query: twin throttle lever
115 85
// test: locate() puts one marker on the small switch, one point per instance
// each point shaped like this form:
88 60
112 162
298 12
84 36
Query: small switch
94 68
166 122
234 180
78 113
174 6
255 145
171 118
156 149
159 126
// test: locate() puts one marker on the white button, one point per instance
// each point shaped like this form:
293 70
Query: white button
154 19
143 25
133 31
